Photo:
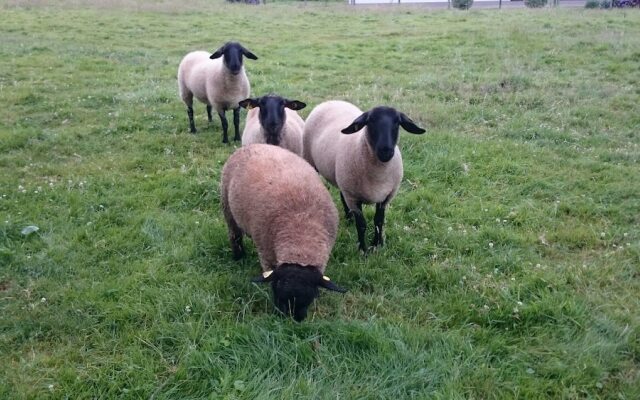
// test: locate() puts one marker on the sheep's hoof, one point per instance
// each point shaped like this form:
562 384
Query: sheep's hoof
236 138
193 130
364 251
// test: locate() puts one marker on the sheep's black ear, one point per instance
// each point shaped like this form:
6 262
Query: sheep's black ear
294 104
326 283
267 276
249 54
409 125
218 53
248 103
357 124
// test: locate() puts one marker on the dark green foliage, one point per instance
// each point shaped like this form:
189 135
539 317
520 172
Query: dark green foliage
462 4
535 3
592 4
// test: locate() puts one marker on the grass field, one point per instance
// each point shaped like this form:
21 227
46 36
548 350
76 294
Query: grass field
511 263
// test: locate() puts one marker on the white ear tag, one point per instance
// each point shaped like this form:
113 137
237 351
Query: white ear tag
266 274
326 278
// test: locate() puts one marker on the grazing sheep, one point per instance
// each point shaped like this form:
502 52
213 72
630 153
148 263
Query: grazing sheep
277 199
366 167
218 80
276 122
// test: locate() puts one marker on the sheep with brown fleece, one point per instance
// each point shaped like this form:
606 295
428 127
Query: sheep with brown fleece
366 166
277 199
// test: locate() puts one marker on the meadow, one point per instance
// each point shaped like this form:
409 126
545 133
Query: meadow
511 263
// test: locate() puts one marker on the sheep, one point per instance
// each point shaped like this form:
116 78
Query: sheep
366 167
277 199
276 122
218 80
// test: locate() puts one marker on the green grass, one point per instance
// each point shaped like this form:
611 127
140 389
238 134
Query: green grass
511 263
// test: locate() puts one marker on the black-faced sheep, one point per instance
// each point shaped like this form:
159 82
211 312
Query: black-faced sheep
273 120
367 166
217 80
276 198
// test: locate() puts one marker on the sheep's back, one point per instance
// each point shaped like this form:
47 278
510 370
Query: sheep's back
323 139
193 72
264 184
292 132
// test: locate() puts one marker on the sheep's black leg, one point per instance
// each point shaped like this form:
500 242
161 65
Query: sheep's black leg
236 123
361 226
209 117
347 212
225 126
235 235
378 222
237 247
192 125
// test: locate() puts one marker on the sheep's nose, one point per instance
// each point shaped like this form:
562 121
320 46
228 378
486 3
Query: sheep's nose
385 155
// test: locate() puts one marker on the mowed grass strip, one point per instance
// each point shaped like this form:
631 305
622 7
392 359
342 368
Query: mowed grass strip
511 263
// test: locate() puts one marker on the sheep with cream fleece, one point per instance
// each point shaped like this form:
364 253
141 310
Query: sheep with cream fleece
357 152
217 80
273 120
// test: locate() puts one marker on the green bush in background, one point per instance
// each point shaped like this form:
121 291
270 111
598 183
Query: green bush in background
535 3
462 4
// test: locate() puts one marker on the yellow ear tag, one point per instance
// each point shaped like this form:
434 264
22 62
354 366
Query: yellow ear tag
249 106
326 278
266 274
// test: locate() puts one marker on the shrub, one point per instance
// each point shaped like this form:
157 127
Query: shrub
626 3
535 3
592 4
605 4
462 4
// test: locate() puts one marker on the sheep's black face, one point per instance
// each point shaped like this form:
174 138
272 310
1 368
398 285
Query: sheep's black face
232 53
383 125
233 58
272 116
382 132
294 289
